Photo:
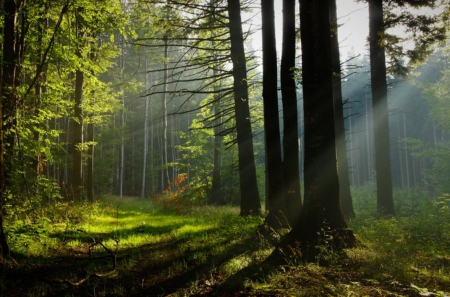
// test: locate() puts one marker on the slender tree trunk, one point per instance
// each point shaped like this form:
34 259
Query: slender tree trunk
352 147
341 145
385 200
65 172
217 196
77 138
406 153
144 155
40 72
90 163
152 149
122 150
164 162
400 155
368 151
275 182
290 116
250 203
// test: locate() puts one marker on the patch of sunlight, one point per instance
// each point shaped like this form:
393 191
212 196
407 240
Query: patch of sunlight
134 240
190 229
73 244
361 255
237 263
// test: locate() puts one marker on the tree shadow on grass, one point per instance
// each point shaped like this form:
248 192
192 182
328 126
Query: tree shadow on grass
152 269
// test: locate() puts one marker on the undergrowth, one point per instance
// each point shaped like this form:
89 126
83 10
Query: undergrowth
172 245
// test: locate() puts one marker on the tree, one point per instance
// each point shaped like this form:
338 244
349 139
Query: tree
217 195
425 31
275 191
385 200
290 118
250 203
8 96
341 144
321 219
145 150
77 121
164 159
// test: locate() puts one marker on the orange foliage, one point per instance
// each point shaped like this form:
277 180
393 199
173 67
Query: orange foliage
171 197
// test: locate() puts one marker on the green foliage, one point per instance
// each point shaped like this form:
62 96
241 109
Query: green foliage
404 256
438 176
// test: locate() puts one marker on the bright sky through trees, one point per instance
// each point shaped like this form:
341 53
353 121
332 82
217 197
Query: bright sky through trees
352 34
353 30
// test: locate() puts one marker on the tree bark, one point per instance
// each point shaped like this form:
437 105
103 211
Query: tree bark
250 202
290 115
341 145
385 201
90 164
164 161
217 196
7 103
275 182
145 152
77 138
321 220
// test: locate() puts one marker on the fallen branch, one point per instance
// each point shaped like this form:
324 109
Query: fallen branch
75 284
112 254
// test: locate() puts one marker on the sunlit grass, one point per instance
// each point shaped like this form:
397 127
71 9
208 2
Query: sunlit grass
210 243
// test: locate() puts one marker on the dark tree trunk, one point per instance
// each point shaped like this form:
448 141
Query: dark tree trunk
250 203
341 145
385 201
290 116
275 182
7 105
321 218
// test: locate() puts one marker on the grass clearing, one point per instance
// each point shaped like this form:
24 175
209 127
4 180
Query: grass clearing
128 247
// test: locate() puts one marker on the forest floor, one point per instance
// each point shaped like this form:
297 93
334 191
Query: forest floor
129 247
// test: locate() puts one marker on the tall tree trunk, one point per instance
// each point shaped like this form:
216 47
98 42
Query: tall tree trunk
250 203
341 145
406 153
275 182
290 116
321 217
41 73
164 161
145 152
7 104
90 163
217 196
385 200
77 121
77 138
122 149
